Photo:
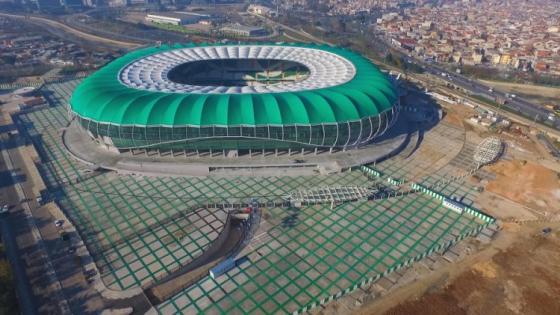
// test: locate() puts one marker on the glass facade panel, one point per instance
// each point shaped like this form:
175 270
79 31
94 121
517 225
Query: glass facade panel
355 128
166 134
275 132
248 132
179 133
375 125
342 134
237 137
290 133
206 132
303 134
113 131
193 132
331 132
234 131
93 128
102 129
220 131
382 122
152 134
317 134
261 132
366 130
126 132
138 133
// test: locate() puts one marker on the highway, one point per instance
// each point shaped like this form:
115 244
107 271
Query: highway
516 104
56 27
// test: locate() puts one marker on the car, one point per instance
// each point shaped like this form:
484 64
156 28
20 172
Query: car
5 209
65 236
58 223
90 273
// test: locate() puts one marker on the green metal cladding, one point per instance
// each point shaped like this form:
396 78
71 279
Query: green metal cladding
103 98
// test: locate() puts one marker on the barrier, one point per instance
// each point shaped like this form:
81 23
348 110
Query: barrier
373 173
370 172
408 262
470 210
440 247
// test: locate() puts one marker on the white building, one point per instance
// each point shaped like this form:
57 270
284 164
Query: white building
175 18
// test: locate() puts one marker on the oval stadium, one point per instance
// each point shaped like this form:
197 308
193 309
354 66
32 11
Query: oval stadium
236 98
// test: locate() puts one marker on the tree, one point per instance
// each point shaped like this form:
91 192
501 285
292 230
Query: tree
8 299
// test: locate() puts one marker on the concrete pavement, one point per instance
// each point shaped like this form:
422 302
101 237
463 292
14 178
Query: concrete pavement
13 165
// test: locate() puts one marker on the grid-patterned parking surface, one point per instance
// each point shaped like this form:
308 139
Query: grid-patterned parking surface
140 229
323 252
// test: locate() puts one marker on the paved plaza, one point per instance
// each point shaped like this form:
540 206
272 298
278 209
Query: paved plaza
140 229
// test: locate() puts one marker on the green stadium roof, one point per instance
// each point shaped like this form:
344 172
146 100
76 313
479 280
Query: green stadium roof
104 97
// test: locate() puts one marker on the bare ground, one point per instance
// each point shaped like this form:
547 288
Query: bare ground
527 89
527 183
519 271
523 278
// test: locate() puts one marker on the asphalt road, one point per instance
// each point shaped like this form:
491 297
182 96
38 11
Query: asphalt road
43 260
26 298
65 31
14 225
518 104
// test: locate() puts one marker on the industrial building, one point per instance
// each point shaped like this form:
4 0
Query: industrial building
243 30
240 97
176 18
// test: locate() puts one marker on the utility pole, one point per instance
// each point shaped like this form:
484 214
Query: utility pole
535 120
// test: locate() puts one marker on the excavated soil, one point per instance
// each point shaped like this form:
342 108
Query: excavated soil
527 183
453 118
522 279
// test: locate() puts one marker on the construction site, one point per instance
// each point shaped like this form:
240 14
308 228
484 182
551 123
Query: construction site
374 238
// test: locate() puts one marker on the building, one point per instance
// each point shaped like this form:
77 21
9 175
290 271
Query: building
220 97
454 205
76 4
176 18
243 30
261 10
117 3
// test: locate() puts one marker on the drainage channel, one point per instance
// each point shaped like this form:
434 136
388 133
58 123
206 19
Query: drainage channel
235 235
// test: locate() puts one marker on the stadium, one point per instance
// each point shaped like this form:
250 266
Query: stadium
236 98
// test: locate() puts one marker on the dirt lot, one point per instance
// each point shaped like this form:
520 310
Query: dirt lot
522 278
527 183
527 89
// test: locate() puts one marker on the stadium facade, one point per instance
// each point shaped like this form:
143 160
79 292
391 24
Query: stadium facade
236 97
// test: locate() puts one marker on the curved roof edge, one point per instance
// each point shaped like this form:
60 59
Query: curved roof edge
102 97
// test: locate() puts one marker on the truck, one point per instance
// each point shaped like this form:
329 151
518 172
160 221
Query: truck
226 265
221 268
554 108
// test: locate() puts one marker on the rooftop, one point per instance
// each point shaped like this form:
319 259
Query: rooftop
342 86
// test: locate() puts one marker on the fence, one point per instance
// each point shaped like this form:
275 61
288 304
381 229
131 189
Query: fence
472 211
372 173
